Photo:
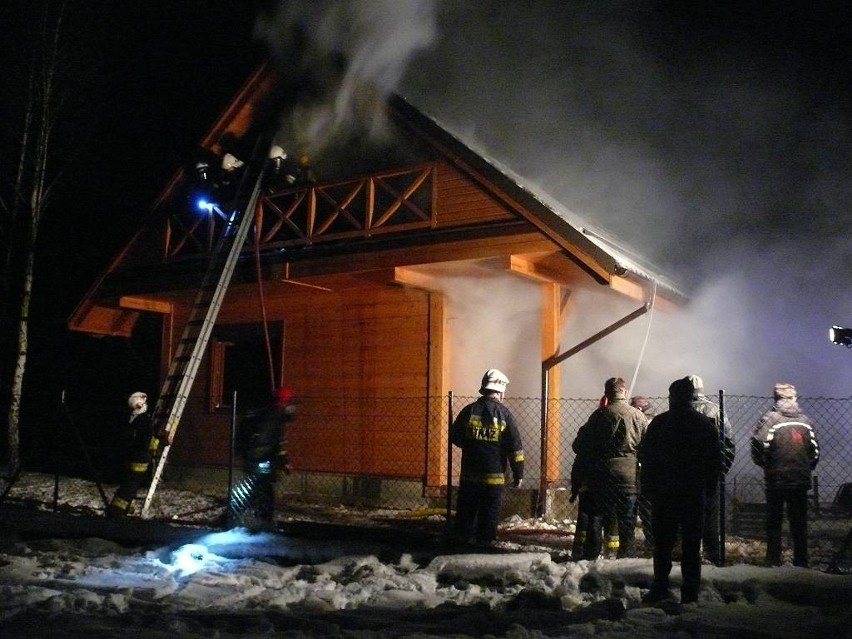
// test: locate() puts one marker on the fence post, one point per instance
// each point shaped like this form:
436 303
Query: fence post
722 496
449 458
231 454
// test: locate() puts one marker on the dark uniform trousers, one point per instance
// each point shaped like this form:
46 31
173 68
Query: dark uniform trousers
135 475
587 534
478 511
670 514
797 512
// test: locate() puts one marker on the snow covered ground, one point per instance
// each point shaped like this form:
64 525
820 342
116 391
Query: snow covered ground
233 583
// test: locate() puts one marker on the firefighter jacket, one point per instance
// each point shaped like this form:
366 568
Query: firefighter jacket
489 438
138 435
711 410
680 455
261 435
608 442
785 445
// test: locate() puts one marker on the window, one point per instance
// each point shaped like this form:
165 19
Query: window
239 363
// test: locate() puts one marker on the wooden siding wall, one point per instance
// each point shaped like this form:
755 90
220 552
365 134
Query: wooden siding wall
463 201
359 359
361 363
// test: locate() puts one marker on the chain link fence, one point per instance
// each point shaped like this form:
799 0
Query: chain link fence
393 460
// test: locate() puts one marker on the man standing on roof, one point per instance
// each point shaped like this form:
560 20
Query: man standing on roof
136 437
711 541
488 436
784 444
608 440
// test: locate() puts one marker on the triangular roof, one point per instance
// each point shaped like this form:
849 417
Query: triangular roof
552 218
103 311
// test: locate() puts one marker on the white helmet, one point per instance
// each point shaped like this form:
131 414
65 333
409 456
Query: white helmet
494 380
137 400
231 162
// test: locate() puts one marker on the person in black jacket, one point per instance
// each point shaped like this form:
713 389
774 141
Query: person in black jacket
588 530
681 461
488 436
137 437
785 445
261 444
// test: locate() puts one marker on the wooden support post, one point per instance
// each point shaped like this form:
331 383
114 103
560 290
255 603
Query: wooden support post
550 330
437 440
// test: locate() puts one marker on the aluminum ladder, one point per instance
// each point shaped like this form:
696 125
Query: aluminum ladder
196 334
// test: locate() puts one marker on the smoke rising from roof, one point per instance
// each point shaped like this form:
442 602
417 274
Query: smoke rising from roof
342 59
716 141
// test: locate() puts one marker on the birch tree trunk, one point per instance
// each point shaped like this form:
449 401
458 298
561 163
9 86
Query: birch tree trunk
33 187
14 417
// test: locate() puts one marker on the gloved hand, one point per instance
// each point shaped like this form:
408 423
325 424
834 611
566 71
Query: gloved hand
517 483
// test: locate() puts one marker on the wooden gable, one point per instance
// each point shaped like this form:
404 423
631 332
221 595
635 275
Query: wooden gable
350 269
455 206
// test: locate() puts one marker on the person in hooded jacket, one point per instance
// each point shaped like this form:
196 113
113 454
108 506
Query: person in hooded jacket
608 441
785 445
711 539
681 461
137 436
490 442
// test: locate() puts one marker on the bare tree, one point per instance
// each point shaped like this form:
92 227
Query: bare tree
35 175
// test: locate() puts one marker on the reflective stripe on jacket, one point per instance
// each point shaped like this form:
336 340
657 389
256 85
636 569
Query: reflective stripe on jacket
785 445
490 441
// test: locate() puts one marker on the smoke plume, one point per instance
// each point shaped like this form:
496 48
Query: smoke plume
716 143
342 59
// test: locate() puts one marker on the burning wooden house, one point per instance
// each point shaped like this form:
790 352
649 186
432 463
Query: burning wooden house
339 290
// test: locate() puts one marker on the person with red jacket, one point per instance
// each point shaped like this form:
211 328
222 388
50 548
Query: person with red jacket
785 445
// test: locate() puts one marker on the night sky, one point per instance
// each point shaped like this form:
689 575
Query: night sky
715 141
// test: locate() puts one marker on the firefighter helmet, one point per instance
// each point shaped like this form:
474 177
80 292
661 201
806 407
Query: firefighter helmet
283 396
137 400
494 380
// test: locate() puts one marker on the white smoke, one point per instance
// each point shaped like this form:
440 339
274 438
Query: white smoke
707 156
722 157
344 58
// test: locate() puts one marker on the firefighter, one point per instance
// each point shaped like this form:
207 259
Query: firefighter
587 532
488 436
137 436
261 443
608 441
